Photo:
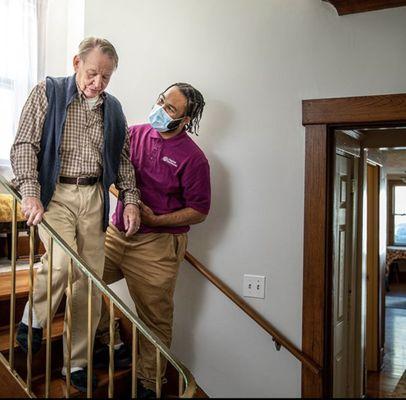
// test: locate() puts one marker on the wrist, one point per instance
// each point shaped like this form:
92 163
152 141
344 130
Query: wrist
157 220
136 203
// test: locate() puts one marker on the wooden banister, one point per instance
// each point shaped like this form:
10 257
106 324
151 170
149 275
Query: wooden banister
259 319
277 337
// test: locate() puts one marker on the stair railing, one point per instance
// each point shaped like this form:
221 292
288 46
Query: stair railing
278 338
187 384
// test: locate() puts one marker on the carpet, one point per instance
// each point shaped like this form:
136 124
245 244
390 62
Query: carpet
395 302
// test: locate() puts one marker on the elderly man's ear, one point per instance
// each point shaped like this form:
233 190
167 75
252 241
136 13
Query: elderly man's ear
76 62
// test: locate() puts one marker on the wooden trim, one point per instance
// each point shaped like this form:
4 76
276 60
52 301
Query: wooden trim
314 332
344 7
355 110
12 385
373 268
390 216
376 139
347 143
278 337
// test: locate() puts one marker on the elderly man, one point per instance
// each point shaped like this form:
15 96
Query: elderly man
72 144
174 179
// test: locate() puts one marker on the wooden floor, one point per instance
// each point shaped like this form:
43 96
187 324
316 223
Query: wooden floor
382 384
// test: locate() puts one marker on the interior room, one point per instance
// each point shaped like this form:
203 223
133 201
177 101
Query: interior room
291 281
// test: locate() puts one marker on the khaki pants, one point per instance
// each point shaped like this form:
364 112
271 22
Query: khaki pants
76 214
149 263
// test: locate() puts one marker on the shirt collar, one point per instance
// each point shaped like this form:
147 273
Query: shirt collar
156 135
82 96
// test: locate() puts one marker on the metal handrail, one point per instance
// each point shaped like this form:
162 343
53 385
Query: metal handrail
185 377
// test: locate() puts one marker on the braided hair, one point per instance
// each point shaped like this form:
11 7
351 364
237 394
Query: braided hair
194 106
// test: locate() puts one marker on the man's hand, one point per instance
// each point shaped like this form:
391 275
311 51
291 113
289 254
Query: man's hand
147 216
132 219
32 209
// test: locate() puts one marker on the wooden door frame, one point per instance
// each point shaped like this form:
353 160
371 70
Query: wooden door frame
320 118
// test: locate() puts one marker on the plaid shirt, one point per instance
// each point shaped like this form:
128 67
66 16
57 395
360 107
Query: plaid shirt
81 145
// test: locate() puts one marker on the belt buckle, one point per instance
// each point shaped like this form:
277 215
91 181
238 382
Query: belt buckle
78 181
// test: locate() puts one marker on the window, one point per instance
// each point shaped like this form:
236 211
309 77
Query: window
7 113
18 64
399 214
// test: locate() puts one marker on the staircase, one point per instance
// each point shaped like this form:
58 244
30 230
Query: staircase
122 378
39 376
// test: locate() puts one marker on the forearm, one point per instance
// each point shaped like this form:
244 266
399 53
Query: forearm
126 183
186 216
24 164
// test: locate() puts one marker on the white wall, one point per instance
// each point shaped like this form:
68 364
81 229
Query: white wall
64 32
254 60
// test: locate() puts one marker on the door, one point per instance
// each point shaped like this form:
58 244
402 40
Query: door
344 187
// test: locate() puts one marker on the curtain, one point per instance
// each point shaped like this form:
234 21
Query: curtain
21 63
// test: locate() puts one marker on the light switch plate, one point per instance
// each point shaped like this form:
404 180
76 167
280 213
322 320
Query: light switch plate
254 286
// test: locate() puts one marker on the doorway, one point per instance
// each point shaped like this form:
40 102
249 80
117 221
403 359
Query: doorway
386 333
322 118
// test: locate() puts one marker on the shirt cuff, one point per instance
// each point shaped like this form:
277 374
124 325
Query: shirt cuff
131 198
30 190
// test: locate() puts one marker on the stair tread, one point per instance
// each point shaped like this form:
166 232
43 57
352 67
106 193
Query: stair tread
58 384
22 285
56 332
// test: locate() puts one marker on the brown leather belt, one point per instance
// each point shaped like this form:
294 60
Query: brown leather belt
79 181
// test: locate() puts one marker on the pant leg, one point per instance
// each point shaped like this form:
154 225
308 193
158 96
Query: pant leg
61 217
150 267
114 250
90 244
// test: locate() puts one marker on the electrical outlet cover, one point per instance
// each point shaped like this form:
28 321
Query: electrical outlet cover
254 286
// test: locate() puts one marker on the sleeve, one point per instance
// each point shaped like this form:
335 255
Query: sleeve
26 146
196 187
126 183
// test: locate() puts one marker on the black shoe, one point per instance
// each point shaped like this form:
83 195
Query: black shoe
78 379
144 393
122 357
22 338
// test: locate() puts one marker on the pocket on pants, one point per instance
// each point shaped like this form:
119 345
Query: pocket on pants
179 246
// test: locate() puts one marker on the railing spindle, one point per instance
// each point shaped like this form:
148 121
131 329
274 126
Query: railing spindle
30 302
13 283
158 383
69 326
89 339
134 371
111 351
82 266
49 317
181 385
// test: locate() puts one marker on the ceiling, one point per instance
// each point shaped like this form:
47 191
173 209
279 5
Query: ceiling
357 6
391 153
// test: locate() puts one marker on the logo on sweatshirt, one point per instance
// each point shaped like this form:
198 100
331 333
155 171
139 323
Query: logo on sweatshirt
170 161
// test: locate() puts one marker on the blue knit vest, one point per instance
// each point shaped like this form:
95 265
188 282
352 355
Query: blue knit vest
60 93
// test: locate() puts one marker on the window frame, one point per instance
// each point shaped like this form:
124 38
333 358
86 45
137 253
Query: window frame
391 215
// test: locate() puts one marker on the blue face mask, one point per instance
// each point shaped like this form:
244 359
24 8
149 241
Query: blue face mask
161 121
